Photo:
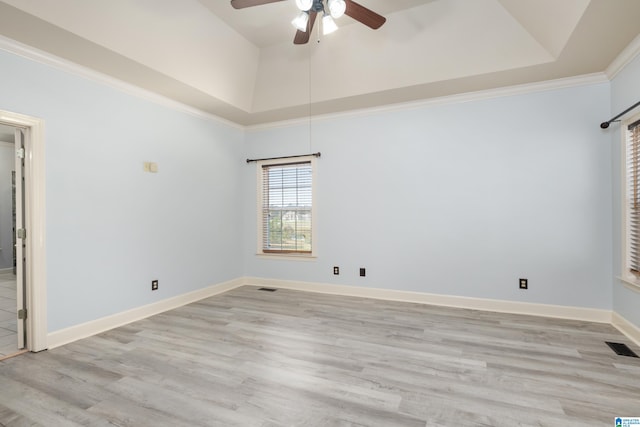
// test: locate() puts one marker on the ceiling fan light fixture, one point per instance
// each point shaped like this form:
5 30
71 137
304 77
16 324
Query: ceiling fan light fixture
326 11
328 25
301 21
337 8
304 5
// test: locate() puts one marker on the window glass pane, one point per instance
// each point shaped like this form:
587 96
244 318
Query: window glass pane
287 203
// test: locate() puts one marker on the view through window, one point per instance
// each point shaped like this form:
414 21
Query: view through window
287 208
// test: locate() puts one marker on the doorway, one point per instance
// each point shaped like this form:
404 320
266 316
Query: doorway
12 246
23 283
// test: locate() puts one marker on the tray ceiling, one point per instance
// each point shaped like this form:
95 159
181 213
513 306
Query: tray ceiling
241 65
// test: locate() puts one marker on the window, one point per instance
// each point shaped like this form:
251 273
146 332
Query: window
632 203
286 206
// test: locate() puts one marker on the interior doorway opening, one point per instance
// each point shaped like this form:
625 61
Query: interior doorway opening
12 247
25 277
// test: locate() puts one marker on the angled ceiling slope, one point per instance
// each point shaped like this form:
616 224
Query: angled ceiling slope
241 65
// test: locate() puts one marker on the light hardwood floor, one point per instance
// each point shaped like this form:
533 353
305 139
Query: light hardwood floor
290 358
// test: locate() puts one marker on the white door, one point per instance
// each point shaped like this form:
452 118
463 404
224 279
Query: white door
20 238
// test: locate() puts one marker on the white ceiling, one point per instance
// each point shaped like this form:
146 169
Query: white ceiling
242 65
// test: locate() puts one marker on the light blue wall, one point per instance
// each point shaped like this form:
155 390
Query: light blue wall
458 199
625 91
111 228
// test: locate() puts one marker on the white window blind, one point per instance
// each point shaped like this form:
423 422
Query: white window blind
287 207
633 198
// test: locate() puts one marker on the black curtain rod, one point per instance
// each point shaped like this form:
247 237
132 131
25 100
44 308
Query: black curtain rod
284 157
606 124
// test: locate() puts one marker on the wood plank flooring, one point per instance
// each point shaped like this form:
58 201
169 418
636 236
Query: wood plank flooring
289 358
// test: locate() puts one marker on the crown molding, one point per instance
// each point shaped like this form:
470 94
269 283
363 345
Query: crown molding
37 55
523 89
31 53
627 55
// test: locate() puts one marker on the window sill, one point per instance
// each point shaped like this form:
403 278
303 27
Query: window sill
288 257
631 284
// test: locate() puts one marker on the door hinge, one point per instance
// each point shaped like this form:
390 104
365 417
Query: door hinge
21 233
20 153
22 314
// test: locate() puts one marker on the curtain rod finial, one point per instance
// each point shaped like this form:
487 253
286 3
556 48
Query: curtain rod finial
604 125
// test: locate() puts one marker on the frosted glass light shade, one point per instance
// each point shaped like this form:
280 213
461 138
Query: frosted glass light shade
300 21
328 25
304 5
337 8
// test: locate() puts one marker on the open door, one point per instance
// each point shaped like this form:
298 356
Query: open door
20 239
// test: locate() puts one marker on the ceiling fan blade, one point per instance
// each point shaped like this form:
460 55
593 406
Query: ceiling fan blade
364 15
241 4
302 37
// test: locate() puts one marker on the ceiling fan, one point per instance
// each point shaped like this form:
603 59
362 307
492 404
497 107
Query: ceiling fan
309 9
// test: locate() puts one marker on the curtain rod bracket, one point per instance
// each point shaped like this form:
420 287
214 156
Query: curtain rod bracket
605 125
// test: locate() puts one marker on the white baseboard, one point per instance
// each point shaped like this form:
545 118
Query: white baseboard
500 306
84 330
74 333
627 328
6 270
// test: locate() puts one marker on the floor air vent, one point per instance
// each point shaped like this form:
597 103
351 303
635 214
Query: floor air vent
267 289
621 349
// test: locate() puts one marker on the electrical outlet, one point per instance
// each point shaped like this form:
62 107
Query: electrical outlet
336 270
154 285
524 284
363 272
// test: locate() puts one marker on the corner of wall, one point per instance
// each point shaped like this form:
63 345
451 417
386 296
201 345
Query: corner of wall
94 327
627 328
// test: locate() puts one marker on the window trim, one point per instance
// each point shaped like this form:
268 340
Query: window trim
314 235
629 278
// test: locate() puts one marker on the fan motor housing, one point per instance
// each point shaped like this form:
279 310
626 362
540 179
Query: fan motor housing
318 6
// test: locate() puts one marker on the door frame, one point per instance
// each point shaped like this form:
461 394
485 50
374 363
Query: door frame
35 271
19 145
